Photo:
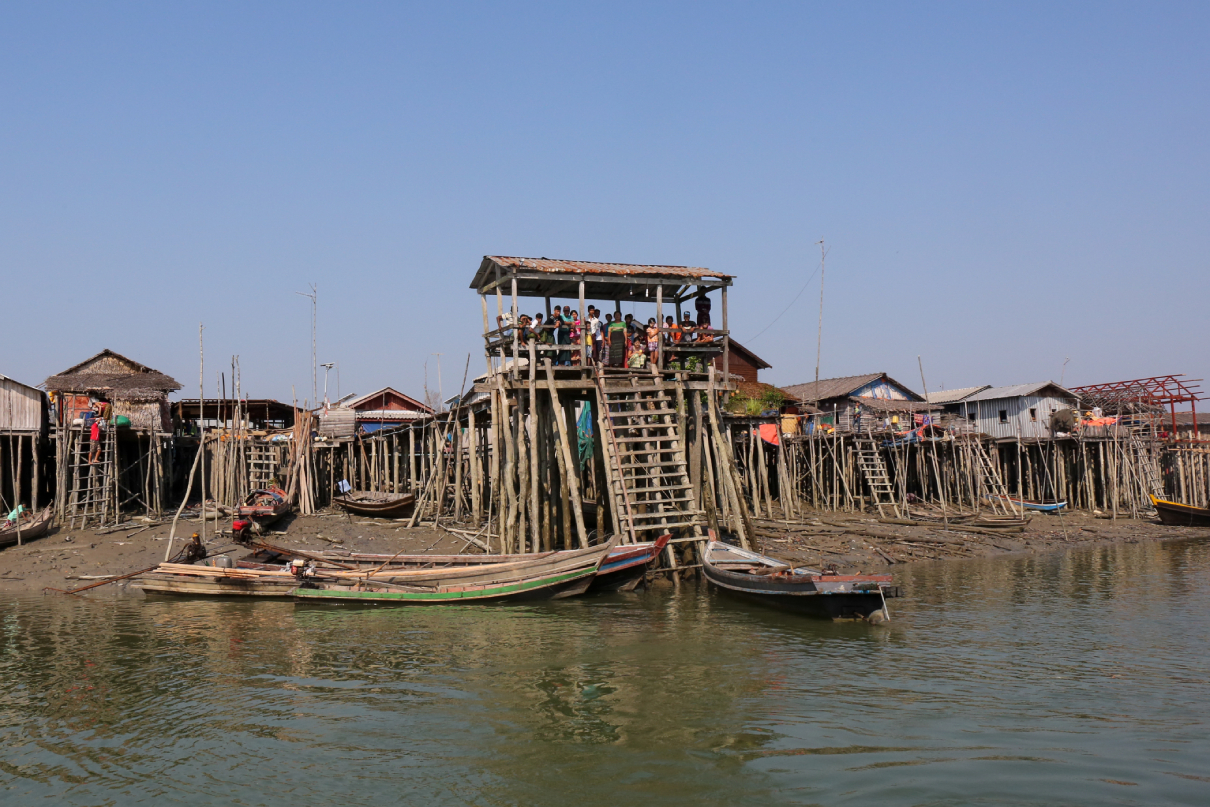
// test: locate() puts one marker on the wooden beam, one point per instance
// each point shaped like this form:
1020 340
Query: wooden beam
571 480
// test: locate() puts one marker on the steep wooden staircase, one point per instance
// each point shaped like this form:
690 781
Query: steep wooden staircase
645 459
874 470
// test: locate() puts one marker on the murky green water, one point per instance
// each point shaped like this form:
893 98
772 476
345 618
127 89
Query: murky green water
1074 679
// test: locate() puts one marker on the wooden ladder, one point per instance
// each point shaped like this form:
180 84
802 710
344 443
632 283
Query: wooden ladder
1145 468
645 459
991 482
869 460
93 496
262 465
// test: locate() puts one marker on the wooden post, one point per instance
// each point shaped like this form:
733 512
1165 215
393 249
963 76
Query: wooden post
584 336
659 322
35 442
515 330
728 471
535 527
726 340
571 480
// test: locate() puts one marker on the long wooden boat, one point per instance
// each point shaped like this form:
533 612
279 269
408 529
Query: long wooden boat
625 566
428 581
33 526
198 579
1044 507
1175 514
621 570
261 508
553 576
773 582
375 504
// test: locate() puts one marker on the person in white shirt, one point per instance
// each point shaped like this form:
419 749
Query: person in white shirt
594 328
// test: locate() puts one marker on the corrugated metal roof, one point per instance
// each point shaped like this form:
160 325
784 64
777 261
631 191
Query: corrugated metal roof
557 267
953 395
1018 390
830 387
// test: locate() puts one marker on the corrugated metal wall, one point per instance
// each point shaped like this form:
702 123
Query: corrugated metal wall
1020 423
20 407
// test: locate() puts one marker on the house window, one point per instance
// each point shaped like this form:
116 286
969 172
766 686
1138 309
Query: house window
1004 416
1033 415
970 416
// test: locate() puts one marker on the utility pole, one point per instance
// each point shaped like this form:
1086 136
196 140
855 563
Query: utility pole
823 254
314 295
440 393
201 422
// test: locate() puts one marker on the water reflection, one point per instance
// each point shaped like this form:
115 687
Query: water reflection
1076 678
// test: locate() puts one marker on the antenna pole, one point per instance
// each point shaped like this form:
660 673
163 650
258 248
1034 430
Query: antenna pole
314 295
823 254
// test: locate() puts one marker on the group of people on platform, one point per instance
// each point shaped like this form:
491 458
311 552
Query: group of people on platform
614 340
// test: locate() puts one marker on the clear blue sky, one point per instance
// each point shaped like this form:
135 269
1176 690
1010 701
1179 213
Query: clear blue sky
1002 185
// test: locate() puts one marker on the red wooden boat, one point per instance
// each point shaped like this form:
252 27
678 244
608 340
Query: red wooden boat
261 508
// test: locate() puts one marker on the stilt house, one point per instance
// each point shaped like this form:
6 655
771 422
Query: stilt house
860 402
23 420
135 390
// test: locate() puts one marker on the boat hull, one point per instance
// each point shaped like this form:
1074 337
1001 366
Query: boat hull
550 576
38 527
1174 514
550 587
774 583
625 566
387 507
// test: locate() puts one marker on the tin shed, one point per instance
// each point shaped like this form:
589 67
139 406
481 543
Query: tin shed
1021 410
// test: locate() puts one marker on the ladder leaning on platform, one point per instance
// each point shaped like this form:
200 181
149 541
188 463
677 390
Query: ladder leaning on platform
645 461
869 459
93 485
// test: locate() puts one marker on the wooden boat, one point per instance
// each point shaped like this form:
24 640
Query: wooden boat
1044 507
1175 514
197 579
407 579
261 508
376 505
33 526
546 576
776 583
625 566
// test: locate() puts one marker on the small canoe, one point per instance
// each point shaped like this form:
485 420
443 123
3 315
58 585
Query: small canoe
775 583
625 566
1175 514
261 508
375 504
32 526
1044 507
546 576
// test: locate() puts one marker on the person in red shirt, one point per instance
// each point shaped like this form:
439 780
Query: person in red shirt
94 435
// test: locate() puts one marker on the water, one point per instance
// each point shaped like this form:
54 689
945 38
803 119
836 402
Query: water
1071 679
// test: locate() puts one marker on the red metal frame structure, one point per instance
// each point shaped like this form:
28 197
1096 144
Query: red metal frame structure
1158 391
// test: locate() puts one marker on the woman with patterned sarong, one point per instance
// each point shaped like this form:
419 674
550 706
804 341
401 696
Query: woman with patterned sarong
617 343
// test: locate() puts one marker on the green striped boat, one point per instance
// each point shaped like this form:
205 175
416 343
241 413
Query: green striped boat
550 575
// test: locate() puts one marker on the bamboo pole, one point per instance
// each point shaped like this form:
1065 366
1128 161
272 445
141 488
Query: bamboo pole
571 480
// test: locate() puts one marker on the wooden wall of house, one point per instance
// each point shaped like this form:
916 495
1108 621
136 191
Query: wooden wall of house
22 408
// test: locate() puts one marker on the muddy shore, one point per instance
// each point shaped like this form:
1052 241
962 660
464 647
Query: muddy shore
67 558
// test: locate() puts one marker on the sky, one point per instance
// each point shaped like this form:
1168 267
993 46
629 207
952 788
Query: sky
1008 192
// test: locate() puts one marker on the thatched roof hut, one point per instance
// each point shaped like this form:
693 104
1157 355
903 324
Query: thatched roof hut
135 390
